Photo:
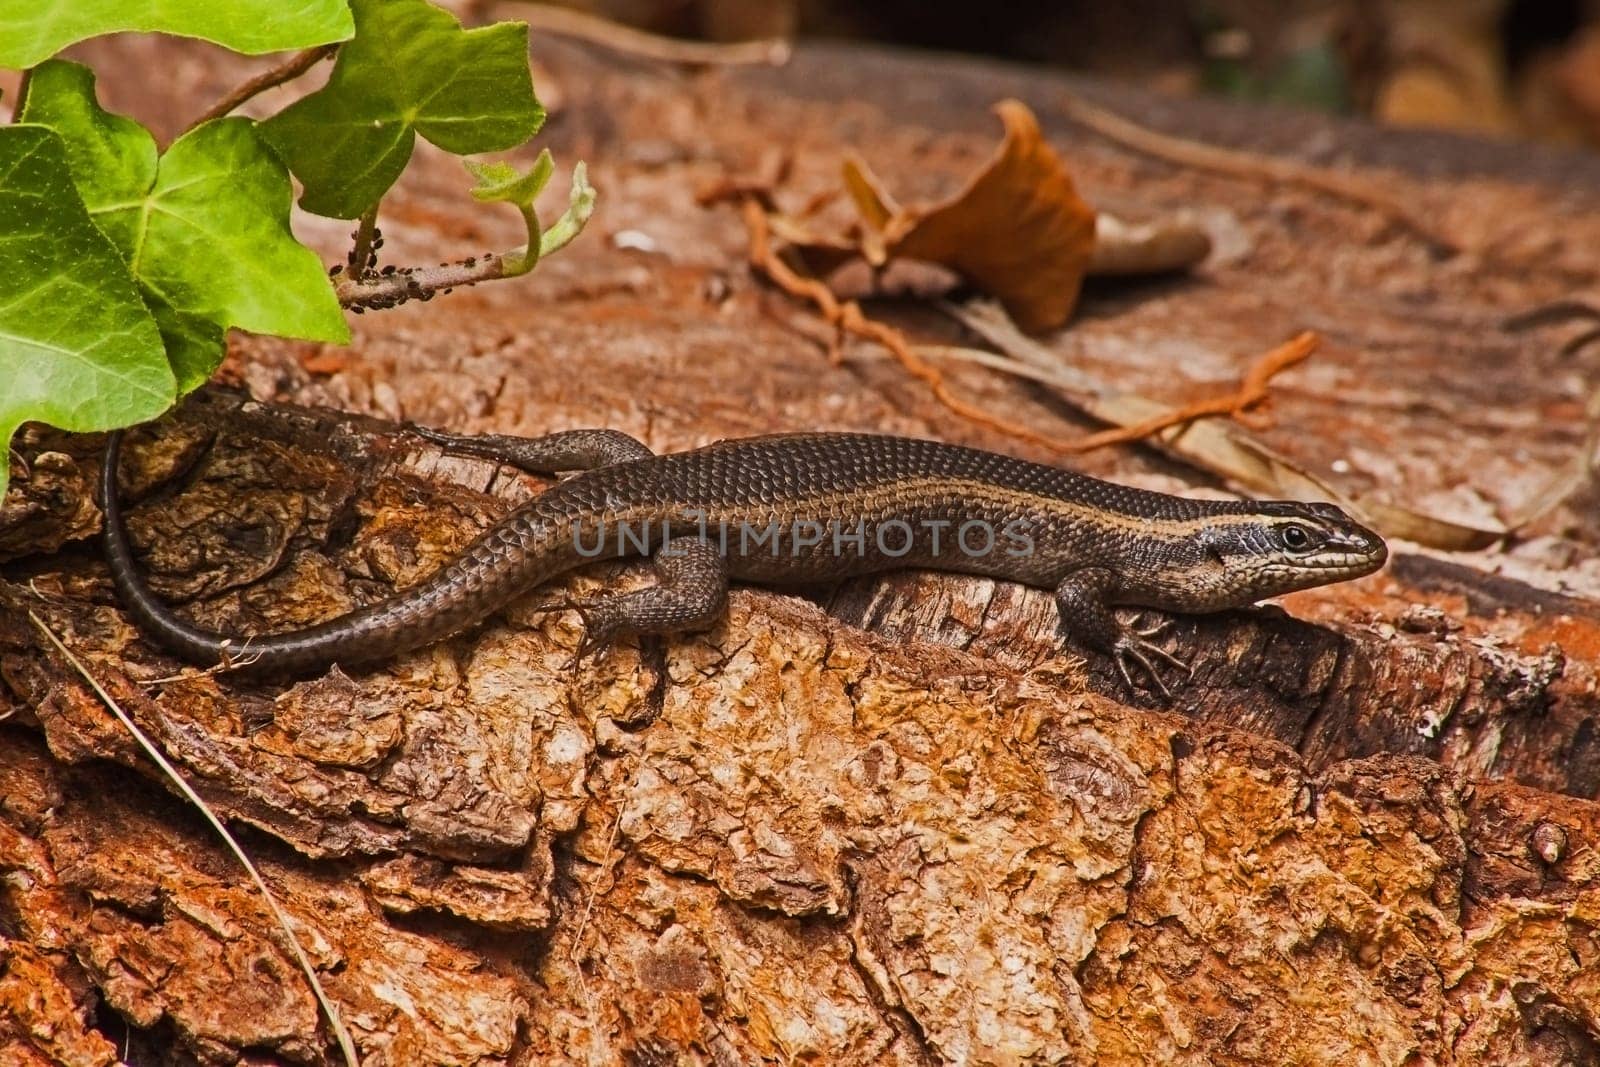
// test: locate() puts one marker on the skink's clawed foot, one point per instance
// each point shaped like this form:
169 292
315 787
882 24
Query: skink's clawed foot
598 629
1136 648
586 648
1162 624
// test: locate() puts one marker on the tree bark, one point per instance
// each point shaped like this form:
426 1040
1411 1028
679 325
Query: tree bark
898 821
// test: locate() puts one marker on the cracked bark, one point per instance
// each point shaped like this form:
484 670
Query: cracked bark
899 821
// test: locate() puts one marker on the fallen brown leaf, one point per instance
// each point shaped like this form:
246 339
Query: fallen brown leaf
1018 231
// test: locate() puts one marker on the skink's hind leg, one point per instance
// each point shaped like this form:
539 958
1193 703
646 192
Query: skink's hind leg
691 593
1081 599
568 450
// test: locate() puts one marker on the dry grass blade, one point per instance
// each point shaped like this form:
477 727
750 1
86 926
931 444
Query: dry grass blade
594 889
346 1045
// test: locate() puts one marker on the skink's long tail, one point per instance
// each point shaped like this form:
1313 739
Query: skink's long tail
506 560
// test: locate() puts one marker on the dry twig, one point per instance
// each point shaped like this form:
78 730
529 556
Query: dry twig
1253 167
848 318
567 22
1222 448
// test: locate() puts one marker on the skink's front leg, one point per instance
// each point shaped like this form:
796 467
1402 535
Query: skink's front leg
1082 600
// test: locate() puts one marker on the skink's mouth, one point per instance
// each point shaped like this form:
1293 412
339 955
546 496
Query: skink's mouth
1352 564
1322 569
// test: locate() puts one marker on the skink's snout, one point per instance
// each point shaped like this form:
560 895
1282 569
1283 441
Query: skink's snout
1346 545
1368 543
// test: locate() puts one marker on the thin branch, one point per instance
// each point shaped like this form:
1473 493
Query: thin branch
288 71
346 1045
1251 391
565 22
1251 166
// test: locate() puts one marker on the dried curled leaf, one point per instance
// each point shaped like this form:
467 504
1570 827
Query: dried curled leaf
1018 231
1126 248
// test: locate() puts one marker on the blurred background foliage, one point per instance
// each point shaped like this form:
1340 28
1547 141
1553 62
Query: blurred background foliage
1513 68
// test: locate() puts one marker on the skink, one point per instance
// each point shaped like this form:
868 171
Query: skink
807 508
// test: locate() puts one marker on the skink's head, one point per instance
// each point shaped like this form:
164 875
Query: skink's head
1278 547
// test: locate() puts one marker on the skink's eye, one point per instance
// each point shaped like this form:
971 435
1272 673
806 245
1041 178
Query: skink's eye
1294 538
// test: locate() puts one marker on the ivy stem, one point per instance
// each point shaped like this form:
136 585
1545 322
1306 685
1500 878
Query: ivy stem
363 290
379 291
357 266
287 71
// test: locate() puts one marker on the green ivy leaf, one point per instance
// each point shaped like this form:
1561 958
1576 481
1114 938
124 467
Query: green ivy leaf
204 227
113 158
216 244
411 70
38 29
78 348
499 182
195 344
